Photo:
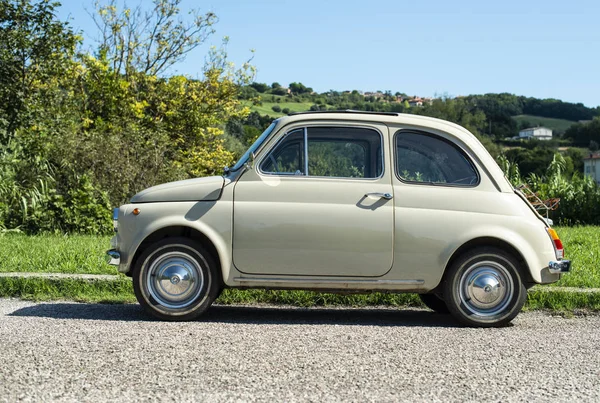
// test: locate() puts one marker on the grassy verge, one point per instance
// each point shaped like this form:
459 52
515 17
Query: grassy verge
42 289
582 247
54 254
121 291
560 300
85 254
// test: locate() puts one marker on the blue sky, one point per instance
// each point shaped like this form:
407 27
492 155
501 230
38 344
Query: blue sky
545 49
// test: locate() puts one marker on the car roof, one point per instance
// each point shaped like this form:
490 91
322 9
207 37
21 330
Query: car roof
381 117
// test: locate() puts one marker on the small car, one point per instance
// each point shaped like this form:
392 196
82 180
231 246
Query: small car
343 201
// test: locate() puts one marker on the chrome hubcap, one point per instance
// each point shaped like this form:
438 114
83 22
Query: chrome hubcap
175 280
486 288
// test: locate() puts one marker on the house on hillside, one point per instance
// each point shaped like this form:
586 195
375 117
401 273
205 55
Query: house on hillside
540 133
591 167
376 95
415 101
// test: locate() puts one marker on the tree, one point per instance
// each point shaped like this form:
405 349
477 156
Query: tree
583 133
150 41
36 53
260 87
299 88
279 91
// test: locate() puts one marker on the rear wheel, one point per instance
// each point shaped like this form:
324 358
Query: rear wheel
176 279
434 302
484 288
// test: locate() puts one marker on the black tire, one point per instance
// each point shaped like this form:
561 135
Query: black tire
435 303
484 288
189 280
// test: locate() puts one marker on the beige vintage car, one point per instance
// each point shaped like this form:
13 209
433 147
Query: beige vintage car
338 202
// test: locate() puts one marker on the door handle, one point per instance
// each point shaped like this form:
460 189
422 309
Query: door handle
386 196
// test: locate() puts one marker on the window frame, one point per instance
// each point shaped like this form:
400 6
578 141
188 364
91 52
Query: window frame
277 144
306 128
453 144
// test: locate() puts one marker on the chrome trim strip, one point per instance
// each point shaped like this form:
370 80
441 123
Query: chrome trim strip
325 281
561 266
380 195
305 151
113 257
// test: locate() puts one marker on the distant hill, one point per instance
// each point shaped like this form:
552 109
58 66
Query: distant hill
557 125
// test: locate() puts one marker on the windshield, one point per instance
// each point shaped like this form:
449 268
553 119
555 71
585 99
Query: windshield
254 147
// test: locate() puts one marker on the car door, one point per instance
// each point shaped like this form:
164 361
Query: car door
439 196
317 203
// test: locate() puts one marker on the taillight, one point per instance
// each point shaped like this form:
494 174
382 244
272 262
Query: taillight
558 246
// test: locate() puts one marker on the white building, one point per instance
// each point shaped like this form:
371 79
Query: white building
591 167
540 133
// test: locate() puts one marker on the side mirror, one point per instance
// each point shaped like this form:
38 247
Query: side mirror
250 163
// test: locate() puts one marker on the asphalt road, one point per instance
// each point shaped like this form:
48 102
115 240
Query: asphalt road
90 352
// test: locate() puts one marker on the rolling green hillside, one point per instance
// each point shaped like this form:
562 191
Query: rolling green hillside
268 101
557 125
265 108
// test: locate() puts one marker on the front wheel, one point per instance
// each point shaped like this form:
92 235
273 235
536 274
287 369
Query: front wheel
175 279
484 288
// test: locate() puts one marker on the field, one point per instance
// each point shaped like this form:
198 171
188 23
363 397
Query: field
267 105
85 254
557 125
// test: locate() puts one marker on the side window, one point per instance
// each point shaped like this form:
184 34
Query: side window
288 156
341 152
344 152
424 158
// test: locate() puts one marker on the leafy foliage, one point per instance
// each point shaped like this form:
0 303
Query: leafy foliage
36 53
81 132
579 196
585 134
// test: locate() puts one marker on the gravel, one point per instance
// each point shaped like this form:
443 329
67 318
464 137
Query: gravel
93 352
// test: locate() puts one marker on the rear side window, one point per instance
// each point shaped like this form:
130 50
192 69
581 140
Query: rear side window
429 159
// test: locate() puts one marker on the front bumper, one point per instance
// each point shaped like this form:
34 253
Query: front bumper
560 266
113 257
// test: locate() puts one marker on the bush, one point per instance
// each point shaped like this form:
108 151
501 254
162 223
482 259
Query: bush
36 199
276 108
579 196
285 110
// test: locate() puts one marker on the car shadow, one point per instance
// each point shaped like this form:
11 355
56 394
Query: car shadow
248 315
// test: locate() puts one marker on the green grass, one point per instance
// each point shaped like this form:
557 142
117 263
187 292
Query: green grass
42 289
121 291
559 300
582 247
54 254
265 108
559 125
284 102
85 254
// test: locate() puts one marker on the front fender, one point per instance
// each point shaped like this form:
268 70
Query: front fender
212 219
